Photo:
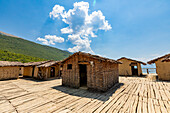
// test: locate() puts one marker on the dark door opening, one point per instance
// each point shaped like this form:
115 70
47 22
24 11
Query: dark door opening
52 72
33 68
83 75
134 70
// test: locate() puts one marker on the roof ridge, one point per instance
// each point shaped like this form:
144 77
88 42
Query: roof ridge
10 63
154 60
132 60
90 55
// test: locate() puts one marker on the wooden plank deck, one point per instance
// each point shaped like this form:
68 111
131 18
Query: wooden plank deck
131 95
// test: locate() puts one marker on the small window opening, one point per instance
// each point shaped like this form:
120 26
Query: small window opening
69 66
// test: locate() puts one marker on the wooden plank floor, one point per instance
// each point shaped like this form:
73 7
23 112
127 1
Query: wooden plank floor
131 95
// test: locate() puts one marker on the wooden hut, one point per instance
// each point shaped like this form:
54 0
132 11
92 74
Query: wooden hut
48 70
91 71
9 70
30 68
162 67
42 70
130 66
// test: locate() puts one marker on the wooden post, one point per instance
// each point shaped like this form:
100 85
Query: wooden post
147 71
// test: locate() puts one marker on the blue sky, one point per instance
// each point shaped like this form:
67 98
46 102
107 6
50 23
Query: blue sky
139 28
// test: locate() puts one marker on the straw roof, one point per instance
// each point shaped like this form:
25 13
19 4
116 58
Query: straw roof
92 56
48 64
39 64
8 63
132 60
35 63
165 58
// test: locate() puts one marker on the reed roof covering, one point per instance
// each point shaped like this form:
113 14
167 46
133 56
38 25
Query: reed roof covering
35 63
8 63
92 56
48 64
165 58
132 60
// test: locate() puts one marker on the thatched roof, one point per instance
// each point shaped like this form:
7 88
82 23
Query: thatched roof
48 64
92 56
39 64
165 58
35 63
132 60
8 63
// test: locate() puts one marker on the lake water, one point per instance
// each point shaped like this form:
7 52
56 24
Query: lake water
151 70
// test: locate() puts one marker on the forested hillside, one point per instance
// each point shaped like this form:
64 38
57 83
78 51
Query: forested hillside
28 48
9 56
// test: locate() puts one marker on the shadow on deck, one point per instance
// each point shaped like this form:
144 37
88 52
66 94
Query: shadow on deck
38 80
141 76
102 96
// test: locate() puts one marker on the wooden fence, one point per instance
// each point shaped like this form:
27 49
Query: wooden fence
148 70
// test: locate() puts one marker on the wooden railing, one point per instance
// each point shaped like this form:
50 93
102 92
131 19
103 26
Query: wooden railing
148 70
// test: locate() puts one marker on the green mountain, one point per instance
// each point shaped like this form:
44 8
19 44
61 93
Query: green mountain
3 33
9 56
18 45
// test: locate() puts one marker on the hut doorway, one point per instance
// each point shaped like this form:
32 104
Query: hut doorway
33 68
134 70
52 72
83 74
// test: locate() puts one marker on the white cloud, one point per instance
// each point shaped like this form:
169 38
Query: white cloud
143 59
81 25
81 44
44 41
57 11
54 38
66 30
51 39
155 55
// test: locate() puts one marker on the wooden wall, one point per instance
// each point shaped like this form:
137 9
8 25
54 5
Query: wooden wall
100 76
44 73
125 68
139 69
28 71
71 77
9 72
35 71
163 70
